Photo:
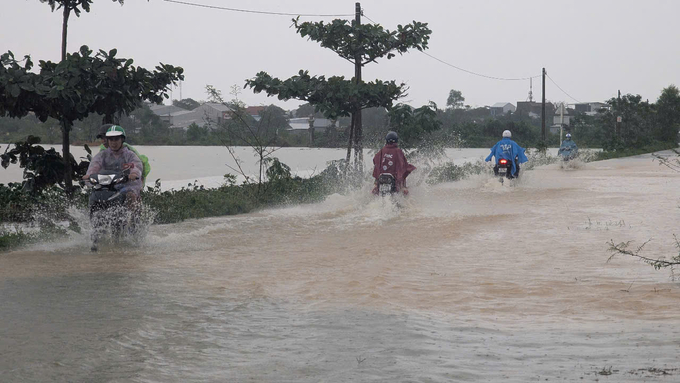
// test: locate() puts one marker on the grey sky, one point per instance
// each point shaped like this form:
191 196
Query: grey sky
589 48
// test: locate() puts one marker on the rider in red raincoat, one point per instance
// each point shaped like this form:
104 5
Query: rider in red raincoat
391 159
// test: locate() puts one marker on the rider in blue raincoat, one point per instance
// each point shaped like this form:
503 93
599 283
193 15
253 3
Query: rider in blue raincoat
568 149
508 149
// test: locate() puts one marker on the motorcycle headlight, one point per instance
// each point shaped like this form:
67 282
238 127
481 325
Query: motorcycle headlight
105 179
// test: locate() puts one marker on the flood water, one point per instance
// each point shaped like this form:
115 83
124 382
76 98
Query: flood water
471 281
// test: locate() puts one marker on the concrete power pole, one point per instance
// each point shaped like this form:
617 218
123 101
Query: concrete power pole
358 149
310 121
543 113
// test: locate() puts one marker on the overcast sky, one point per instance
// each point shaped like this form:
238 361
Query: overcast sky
590 48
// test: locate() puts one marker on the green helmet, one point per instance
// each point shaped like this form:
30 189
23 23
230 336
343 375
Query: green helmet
115 130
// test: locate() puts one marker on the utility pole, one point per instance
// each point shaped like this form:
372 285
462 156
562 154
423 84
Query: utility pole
358 149
311 130
545 145
561 121
617 127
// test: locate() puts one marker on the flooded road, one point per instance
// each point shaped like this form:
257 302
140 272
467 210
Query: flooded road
468 281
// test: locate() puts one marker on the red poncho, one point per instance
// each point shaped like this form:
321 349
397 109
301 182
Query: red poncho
390 159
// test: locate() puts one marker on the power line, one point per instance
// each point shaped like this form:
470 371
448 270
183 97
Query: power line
479 74
553 81
465 70
252 11
362 14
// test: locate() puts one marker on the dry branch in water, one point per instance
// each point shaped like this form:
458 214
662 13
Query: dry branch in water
623 248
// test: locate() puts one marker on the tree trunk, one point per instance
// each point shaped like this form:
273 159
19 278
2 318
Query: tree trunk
358 148
64 29
66 150
349 144
65 126
358 133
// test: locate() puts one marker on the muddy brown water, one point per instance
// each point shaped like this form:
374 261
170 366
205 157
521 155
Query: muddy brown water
468 281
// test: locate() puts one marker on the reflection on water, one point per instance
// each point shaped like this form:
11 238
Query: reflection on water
468 281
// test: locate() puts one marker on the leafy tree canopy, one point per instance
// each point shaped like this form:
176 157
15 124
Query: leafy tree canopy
79 85
366 42
413 124
186 103
76 6
455 99
668 113
334 97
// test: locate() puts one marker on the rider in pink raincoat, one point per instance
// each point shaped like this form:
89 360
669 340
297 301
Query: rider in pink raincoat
117 157
391 159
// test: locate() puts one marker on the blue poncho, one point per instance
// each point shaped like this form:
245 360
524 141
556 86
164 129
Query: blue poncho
508 149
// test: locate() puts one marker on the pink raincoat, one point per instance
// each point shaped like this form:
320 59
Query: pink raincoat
118 161
391 159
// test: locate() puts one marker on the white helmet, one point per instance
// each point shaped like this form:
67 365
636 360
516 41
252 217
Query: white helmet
568 135
506 133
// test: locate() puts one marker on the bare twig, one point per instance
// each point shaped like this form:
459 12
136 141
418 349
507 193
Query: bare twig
622 248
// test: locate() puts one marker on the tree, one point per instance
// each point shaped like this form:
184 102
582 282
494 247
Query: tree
413 124
196 133
187 103
636 128
78 86
668 114
77 6
335 97
455 100
243 129
359 44
275 118
306 110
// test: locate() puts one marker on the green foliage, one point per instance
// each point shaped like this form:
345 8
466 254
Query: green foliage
365 42
42 168
627 152
77 6
668 114
334 97
413 124
455 99
186 103
10 240
450 172
82 84
195 201
636 128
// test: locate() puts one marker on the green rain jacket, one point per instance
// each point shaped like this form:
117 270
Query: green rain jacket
145 160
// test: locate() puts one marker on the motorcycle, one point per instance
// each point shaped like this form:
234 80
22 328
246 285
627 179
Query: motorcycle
503 169
387 184
107 206
567 153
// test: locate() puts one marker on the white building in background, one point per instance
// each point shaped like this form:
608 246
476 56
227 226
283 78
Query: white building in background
501 108
590 108
301 125
176 117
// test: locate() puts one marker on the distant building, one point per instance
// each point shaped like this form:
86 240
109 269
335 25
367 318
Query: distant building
184 118
254 111
533 109
164 111
501 108
213 112
590 108
301 125
176 117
